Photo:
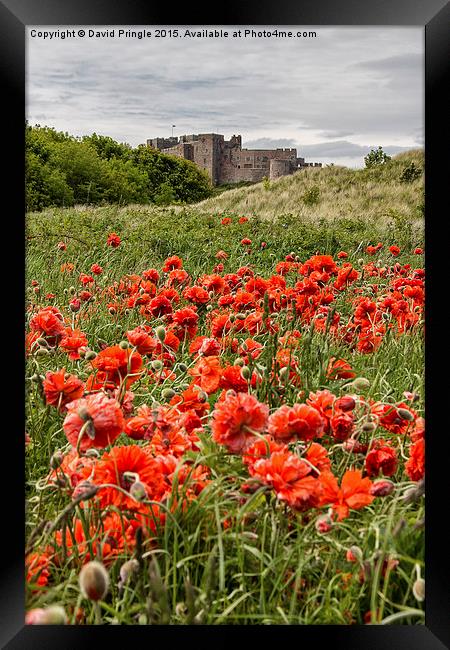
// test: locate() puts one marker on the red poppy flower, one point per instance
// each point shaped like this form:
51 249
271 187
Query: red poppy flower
140 339
300 421
415 465
395 251
100 417
96 269
207 373
49 323
72 342
197 295
291 479
113 240
122 466
382 458
117 365
236 418
173 262
354 492
60 388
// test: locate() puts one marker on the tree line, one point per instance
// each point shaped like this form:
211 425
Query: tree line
63 170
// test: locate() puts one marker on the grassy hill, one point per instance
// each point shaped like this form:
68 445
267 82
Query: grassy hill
342 192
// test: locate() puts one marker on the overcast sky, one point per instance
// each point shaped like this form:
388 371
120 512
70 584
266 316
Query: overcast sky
334 97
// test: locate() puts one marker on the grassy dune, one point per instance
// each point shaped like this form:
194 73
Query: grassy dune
344 192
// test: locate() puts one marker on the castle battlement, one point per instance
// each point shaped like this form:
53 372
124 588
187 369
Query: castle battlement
226 161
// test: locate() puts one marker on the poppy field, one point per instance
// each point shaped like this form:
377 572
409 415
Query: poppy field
225 419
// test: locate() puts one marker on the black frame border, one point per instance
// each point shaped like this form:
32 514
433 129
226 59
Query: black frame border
434 16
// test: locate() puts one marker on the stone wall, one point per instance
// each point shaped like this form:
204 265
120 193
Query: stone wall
226 162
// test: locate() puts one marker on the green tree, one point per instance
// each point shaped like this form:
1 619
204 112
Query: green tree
376 157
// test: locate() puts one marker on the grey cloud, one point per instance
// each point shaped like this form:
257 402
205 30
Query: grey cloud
344 149
335 87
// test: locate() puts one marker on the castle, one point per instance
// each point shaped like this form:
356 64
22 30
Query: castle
227 162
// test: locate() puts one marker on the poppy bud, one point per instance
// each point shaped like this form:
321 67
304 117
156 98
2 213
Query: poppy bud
354 554
85 490
72 290
42 352
42 342
160 332
53 615
90 355
245 373
94 580
127 569
382 488
209 307
112 311
56 460
232 318
240 316
138 491
182 367
405 414
368 427
419 589
324 524
124 345
167 393
354 446
361 384
157 364
284 374
239 362
345 403
360 261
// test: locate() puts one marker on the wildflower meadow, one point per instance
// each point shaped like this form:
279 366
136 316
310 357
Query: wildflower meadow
225 418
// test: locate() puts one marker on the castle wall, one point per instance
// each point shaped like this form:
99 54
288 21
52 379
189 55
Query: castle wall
226 162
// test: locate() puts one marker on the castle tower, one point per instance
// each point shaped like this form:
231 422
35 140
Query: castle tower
279 167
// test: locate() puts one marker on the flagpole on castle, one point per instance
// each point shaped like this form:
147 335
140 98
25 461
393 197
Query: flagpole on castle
173 126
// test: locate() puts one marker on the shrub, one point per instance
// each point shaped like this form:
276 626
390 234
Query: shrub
376 157
311 196
410 173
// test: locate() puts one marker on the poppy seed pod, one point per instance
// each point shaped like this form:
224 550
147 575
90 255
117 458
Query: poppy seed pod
160 332
94 580
124 345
